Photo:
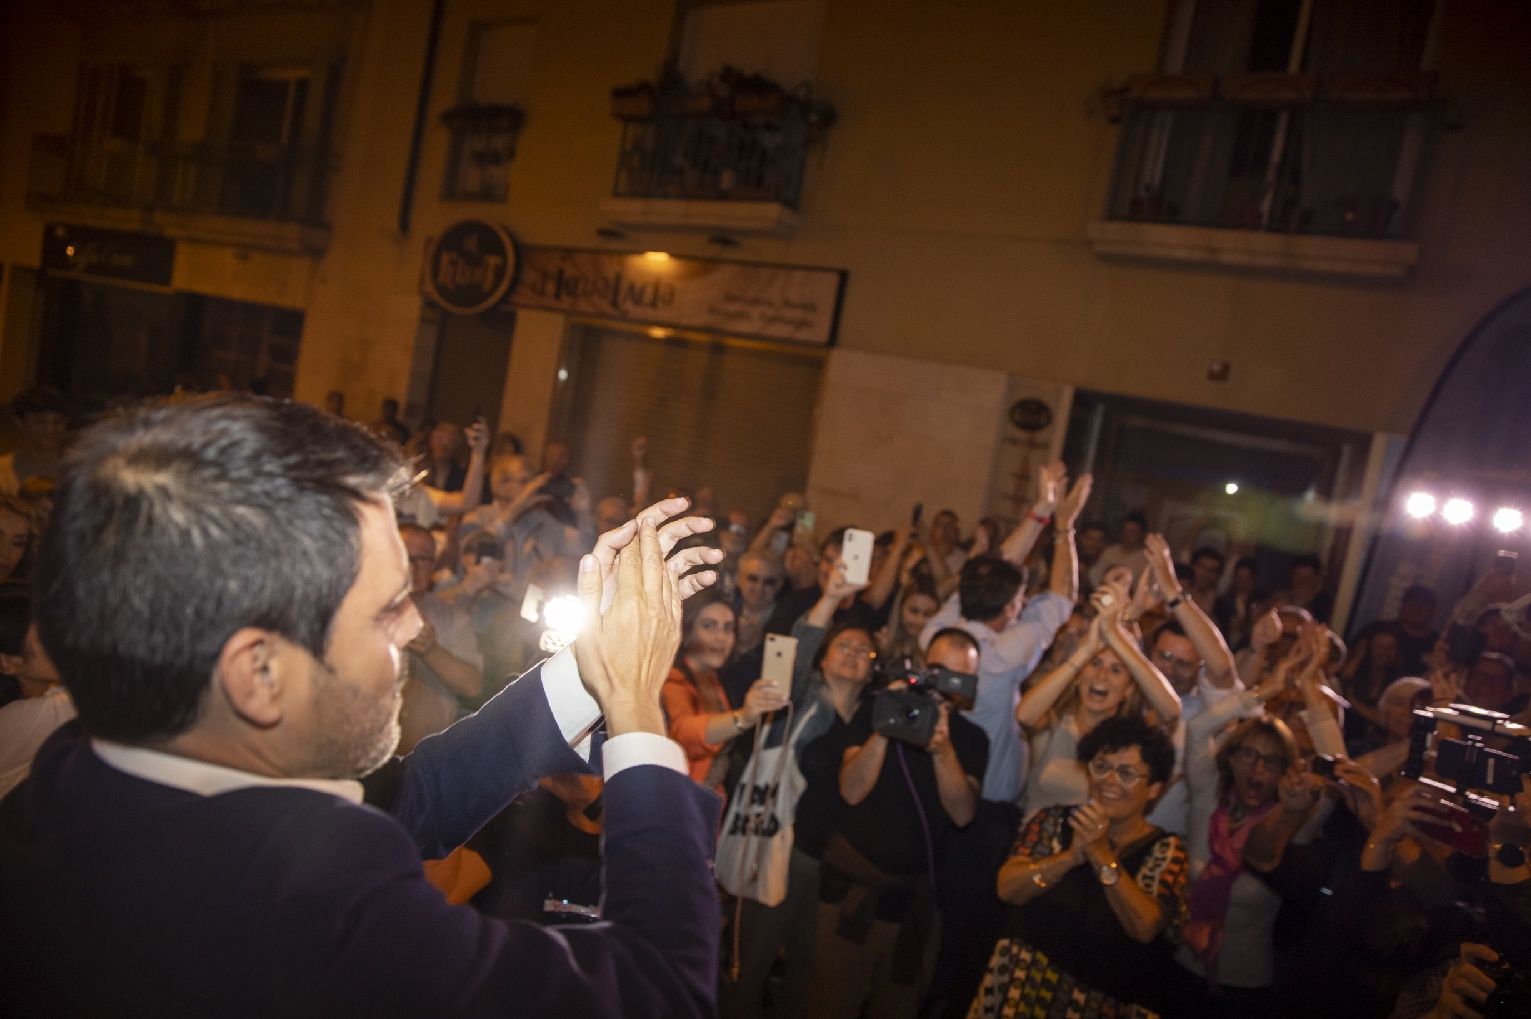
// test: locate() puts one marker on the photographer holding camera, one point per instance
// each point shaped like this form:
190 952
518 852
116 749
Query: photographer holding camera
1493 979
877 908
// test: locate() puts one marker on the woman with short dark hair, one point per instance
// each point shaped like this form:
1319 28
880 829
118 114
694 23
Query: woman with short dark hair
1095 892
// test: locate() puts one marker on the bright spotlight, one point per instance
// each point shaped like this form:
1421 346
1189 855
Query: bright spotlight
1507 519
1457 510
566 614
1419 505
562 619
1232 488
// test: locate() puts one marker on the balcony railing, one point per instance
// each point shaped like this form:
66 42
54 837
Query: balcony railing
281 183
728 151
1322 166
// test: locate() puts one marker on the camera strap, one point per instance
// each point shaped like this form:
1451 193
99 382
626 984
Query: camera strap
919 809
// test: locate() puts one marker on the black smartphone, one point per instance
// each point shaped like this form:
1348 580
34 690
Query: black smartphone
1323 767
1504 561
917 515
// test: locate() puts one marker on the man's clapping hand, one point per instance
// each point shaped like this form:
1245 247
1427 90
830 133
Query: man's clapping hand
632 588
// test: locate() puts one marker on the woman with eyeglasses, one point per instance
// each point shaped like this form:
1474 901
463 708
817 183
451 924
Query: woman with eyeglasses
1094 893
1234 781
833 666
1107 676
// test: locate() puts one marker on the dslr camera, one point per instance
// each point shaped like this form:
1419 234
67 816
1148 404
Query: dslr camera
909 712
1487 756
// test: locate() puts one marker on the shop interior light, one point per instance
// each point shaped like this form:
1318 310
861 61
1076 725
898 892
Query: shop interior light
1457 510
1419 505
1232 488
1507 519
657 256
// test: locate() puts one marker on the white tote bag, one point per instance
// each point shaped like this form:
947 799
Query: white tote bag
755 845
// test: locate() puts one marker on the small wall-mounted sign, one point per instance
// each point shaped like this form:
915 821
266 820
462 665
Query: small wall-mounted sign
471 266
1030 415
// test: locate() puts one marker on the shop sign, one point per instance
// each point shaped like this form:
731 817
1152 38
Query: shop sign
774 302
469 268
113 254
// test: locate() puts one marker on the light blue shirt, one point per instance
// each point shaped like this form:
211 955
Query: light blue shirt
1005 660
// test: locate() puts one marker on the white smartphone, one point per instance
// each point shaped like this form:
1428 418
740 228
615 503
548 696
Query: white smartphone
779 657
856 551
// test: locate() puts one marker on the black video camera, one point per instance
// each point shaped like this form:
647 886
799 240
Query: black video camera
909 712
1471 764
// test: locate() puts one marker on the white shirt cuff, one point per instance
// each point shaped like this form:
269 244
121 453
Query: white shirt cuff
575 711
634 748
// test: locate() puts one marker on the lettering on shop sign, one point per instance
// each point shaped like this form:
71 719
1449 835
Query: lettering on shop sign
114 254
470 267
759 817
775 302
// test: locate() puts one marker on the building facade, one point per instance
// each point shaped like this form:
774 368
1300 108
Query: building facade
1218 251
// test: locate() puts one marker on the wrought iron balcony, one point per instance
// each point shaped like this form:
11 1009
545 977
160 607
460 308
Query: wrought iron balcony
747 144
278 183
1276 153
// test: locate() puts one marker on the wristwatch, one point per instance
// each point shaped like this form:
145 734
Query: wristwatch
1508 854
1109 873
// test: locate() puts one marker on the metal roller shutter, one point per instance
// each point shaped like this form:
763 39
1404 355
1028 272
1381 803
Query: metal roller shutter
738 417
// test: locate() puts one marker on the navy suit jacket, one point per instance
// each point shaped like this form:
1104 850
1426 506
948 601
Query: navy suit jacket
120 896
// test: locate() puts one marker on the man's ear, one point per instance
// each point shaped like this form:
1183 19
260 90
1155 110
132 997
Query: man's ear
250 674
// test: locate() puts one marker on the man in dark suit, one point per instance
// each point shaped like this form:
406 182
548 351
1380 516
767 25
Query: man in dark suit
226 596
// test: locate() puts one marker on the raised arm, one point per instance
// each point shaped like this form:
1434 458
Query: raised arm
882 586
1201 631
780 518
457 503
1037 701
1064 581
1157 691
1052 478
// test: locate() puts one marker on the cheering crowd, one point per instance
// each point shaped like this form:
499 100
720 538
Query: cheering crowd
1025 770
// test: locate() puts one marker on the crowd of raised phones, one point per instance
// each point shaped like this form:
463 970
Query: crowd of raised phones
1017 771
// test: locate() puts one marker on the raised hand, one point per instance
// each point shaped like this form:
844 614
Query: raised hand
1052 479
477 435
1446 683
1401 820
672 527
1365 792
626 648
1265 631
1161 564
1298 790
762 698
1146 596
838 587
1070 506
